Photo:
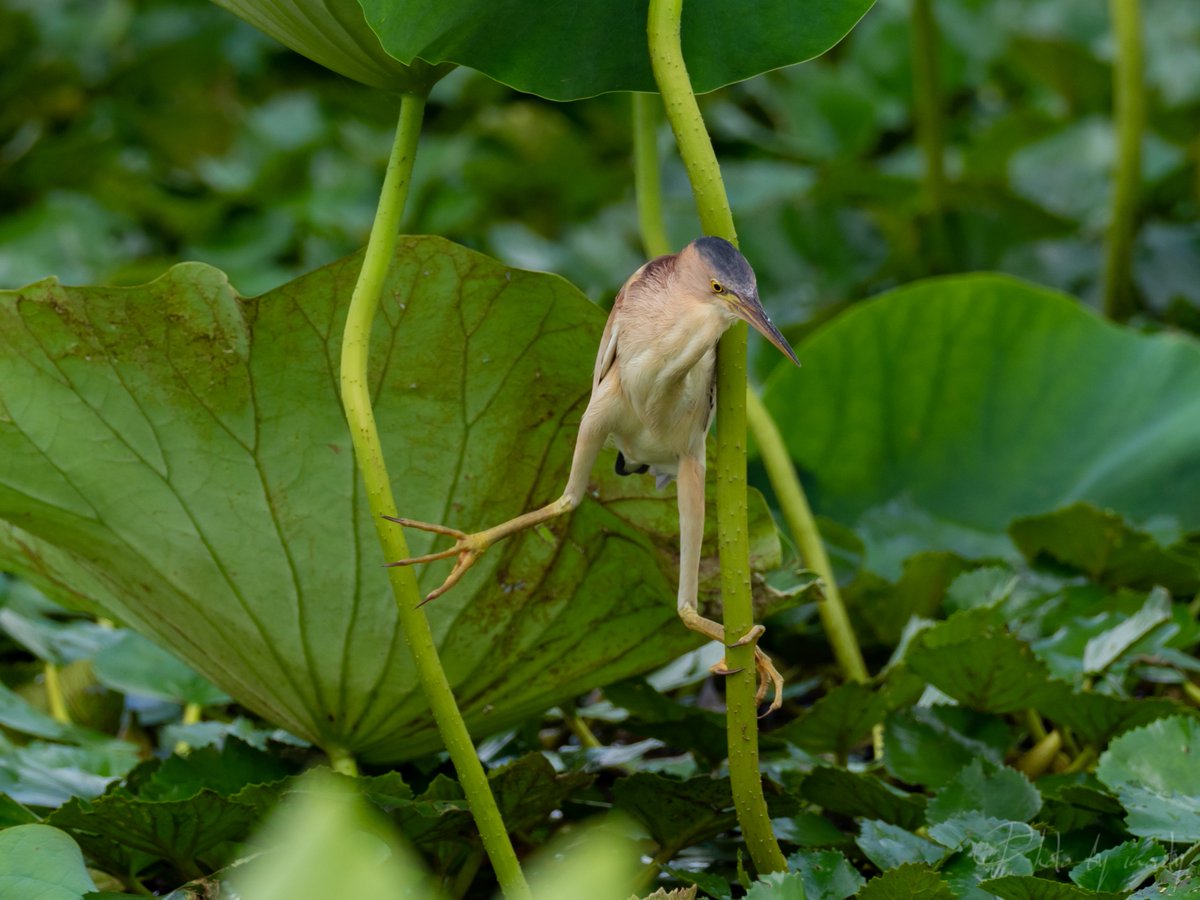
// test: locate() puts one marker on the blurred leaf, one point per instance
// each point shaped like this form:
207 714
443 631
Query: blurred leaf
937 408
42 862
562 53
827 874
927 745
995 791
595 862
334 34
1153 770
261 586
855 794
1120 868
1107 549
912 881
1070 172
1028 887
889 846
325 843
136 665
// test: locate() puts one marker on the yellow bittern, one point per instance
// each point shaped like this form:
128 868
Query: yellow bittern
653 393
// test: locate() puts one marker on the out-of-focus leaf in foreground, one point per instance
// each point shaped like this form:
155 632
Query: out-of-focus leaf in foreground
177 455
325 842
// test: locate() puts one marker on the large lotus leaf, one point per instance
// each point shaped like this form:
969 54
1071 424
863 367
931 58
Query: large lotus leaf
176 454
334 34
968 402
565 51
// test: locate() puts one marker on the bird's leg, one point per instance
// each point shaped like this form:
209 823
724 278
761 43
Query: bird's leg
469 547
691 534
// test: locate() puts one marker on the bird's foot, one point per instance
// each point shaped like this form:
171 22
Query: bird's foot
467 547
767 673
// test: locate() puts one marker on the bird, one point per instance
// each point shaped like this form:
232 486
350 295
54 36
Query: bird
654 396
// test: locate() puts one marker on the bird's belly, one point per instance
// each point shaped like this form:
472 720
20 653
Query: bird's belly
667 420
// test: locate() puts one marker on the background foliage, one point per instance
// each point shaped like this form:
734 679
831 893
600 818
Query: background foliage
1035 652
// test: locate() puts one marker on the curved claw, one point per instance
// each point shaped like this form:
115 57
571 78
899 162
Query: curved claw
466 547
427 526
768 675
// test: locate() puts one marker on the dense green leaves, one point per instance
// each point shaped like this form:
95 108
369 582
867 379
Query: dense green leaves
980 399
565 52
212 507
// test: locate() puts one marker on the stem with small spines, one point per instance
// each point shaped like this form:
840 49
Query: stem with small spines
696 150
368 453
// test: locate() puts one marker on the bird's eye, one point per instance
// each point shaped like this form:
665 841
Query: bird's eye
717 287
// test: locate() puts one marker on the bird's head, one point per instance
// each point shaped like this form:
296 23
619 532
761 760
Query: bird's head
712 271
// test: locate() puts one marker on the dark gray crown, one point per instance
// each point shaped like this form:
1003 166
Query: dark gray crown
728 264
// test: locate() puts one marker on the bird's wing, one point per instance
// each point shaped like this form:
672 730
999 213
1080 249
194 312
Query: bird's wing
607 354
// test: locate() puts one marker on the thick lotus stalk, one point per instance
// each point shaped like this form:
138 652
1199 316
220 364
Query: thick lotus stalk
696 150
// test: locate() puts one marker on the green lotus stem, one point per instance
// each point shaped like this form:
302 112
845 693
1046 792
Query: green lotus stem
342 760
782 474
54 694
1130 115
1192 692
368 453
696 150
800 522
191 715
647 181
927 109
586 737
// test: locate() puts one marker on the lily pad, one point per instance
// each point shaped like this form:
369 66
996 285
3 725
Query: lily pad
1155 772
566 51
975 400
177 455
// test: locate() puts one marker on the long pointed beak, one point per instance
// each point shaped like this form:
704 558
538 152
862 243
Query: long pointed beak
751 310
